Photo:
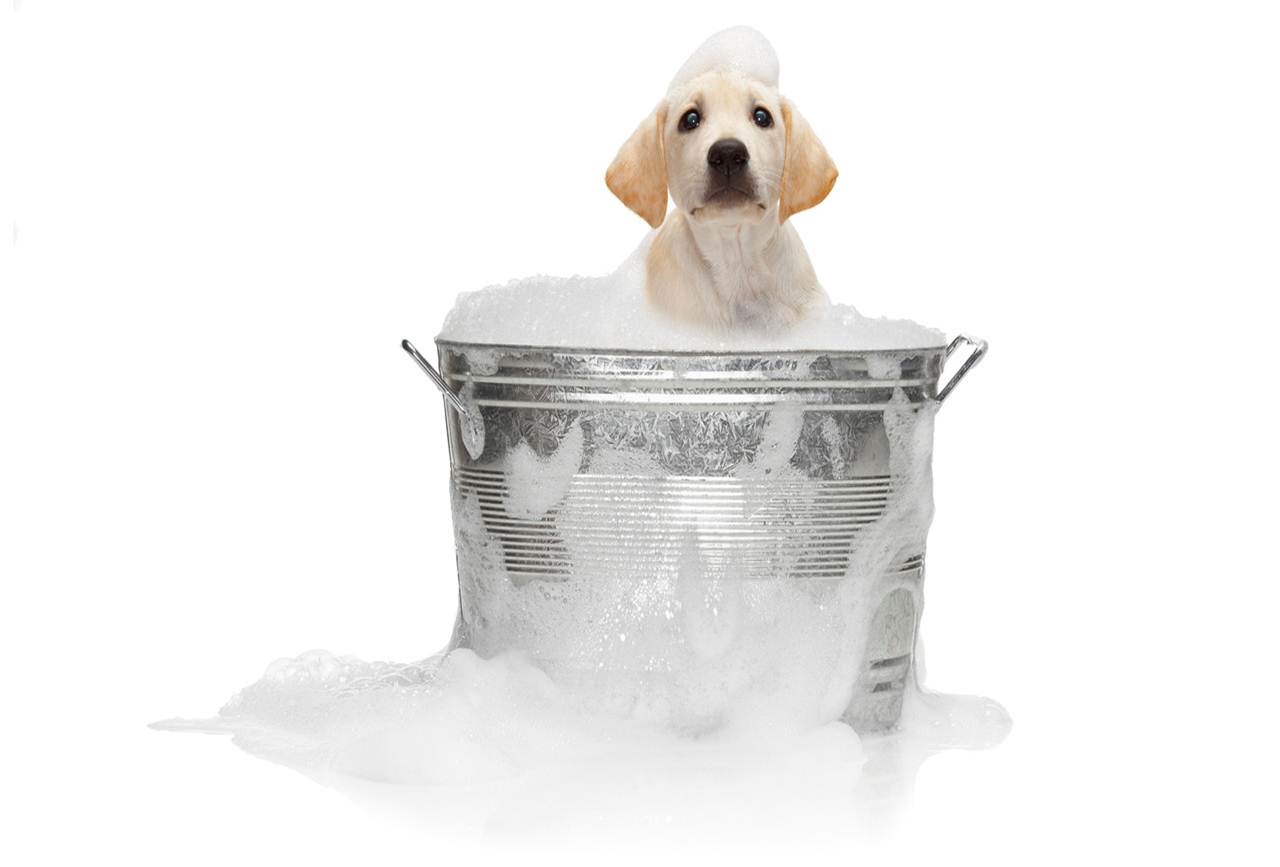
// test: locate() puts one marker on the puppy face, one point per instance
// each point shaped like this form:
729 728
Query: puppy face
728 150
725 145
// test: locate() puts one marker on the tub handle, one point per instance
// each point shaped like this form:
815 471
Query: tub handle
979 349
449 394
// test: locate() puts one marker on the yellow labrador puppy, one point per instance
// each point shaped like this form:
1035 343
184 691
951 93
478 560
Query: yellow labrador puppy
738 160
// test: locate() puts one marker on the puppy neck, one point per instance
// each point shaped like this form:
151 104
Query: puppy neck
740 257
751 274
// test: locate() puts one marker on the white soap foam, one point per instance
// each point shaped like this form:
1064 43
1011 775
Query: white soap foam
740 50
475 745
611 312
537 482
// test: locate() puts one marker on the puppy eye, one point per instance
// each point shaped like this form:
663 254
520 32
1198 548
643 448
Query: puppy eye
763 119
690 120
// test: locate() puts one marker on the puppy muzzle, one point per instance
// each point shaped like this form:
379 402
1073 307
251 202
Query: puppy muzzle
729 182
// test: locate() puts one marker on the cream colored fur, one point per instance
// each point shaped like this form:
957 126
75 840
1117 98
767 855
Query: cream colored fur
727 263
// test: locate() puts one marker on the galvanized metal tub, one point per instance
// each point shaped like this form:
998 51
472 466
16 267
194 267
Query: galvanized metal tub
592 488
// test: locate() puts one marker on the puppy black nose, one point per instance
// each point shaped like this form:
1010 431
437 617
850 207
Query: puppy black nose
727 156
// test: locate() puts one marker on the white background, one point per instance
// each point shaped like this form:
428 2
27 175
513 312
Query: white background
225 216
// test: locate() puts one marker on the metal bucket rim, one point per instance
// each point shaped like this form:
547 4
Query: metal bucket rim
456 345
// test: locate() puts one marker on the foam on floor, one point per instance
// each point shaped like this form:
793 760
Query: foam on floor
459 720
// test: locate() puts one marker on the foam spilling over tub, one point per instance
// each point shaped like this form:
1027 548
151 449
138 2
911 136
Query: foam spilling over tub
669 556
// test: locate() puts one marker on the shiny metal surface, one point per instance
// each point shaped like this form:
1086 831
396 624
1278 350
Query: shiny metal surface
678 450
978 348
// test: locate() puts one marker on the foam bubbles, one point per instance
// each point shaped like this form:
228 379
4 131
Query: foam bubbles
740 50
611 312
457 719
538 482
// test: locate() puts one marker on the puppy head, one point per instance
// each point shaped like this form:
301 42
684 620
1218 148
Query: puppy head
728 149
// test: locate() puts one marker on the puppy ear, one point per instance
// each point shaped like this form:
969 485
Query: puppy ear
808 173
638 175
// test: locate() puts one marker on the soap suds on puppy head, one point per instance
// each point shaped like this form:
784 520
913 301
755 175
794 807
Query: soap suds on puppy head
740 50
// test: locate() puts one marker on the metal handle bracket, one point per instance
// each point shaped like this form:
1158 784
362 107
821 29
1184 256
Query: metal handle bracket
440 383
979 349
